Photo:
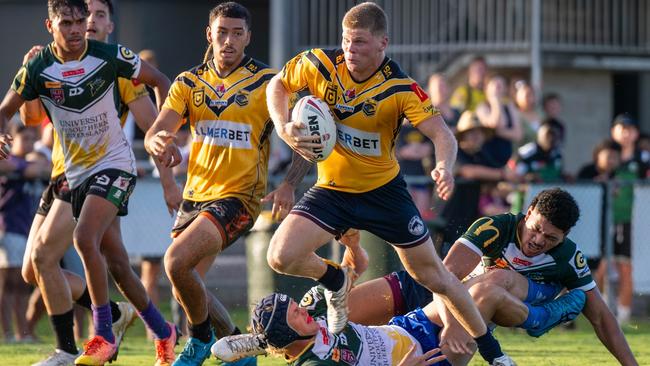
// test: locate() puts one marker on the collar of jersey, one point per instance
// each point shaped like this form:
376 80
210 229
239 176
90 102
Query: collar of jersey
292 359
53 49
381 66
243 62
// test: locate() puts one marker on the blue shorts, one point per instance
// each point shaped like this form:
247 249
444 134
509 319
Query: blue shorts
388 212
540 293
408 294
422 329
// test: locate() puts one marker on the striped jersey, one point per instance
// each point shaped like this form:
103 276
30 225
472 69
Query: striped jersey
368 116
230 127
82 100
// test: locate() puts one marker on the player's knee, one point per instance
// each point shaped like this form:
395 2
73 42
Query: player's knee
438 284
175 266
84 240
501 277
485 292
42 259
277 258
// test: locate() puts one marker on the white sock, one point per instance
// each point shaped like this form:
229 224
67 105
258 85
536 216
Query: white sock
623 313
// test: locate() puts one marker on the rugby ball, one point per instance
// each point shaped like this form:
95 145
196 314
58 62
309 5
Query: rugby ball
319 123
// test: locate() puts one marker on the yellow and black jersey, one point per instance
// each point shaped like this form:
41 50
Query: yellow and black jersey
368 116
230 128
130 90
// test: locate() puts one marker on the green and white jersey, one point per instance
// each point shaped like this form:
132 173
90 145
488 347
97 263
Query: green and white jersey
495 239
82 100
357 344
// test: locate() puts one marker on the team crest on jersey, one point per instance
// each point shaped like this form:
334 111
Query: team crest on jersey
58 96
96 85
198 96
126 53
369 107
580 264
242 97
220 90
330 94
349 94
416 226
348 357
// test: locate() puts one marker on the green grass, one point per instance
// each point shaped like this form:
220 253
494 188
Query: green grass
560 347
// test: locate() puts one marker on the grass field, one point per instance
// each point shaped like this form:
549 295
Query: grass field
560 347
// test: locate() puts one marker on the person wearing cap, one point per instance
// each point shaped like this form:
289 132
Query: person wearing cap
288 328
635 165
473 166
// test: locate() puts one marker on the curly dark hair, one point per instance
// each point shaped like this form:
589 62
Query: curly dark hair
57 8
558 207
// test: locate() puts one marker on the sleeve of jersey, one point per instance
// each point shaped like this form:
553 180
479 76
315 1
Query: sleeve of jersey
481 235
416 105
297 73
128 62
578 273
178 95
22 85
131 90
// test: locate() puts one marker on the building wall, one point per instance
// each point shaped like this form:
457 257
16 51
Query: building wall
587 113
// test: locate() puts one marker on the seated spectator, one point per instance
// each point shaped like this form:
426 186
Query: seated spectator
467 97
473 167
499 113
415 155
552 105
439 94
541 161
529 115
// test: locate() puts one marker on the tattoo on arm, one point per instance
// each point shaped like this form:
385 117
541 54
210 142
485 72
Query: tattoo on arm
298 169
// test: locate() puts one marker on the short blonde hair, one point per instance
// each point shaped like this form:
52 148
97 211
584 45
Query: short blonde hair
368 16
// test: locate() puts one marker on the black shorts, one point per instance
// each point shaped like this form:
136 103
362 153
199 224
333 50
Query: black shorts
408 294
387 211
228 214
623 240
114 185
59 189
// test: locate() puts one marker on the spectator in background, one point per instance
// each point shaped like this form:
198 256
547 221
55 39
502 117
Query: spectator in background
541 161
415 155
439 94
529 114
606 161
499 113
20 189
643 143
552 105
470 95
634 165
473 167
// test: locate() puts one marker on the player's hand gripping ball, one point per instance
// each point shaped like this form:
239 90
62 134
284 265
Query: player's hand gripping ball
319 123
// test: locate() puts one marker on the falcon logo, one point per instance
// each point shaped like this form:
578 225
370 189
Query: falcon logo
242 98
198 96
416 226
369 107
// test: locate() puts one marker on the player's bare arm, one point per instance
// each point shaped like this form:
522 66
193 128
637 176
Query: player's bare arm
277 100
607 328
32 112
283 197
145 114
446 147
160 140
155 79
10 104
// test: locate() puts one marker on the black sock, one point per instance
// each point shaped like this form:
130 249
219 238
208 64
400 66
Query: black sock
333 278
236 331
201 331
63 325
488 347
85 301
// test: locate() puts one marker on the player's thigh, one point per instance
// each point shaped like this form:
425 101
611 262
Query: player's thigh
372 302
512 281
201 239
424 265
97 215
296 237
55 234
